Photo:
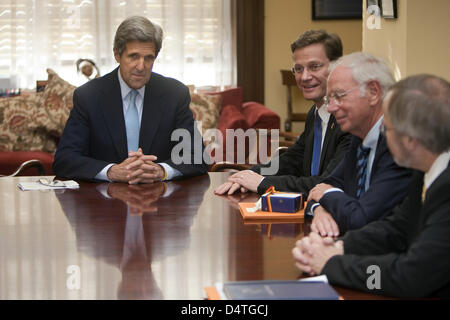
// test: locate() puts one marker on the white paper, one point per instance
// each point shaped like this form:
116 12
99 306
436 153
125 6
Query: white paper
29 186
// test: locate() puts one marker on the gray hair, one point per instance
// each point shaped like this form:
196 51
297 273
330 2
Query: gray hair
366 67
419 106
137 28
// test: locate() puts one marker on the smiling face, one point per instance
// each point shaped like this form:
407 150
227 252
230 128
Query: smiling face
353 112
136 63
312 83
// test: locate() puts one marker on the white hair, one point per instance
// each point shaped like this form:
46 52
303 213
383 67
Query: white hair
366 67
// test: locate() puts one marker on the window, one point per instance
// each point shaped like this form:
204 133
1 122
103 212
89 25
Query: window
40 34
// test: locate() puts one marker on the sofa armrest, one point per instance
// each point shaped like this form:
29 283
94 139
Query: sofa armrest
259 116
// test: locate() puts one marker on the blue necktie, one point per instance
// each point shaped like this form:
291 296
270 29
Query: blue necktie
361 167
132 122
317 145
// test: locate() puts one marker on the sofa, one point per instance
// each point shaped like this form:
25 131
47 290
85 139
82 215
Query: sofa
32 123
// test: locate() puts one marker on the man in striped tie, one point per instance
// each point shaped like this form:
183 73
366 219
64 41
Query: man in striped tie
366 184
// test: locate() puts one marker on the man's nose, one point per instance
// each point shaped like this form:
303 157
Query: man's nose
332 106
306 75
140 64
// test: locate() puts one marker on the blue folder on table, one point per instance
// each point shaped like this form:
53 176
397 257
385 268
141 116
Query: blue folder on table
279 290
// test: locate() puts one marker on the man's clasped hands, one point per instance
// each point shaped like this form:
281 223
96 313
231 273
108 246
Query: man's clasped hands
137 168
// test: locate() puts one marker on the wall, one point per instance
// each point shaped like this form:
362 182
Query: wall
415 42
285 20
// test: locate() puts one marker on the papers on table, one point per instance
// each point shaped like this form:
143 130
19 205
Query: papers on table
36 185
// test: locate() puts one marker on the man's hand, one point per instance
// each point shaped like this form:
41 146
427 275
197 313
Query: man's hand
121 172
312 253
317 192
229 188
247 179
323 223
145 170
137 168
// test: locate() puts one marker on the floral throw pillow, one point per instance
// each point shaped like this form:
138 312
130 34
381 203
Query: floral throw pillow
206 108
34 122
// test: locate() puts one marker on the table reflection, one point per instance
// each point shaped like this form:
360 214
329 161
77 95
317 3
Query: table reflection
129 229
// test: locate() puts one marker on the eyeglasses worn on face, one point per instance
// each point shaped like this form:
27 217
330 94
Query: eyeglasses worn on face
337 97
312 68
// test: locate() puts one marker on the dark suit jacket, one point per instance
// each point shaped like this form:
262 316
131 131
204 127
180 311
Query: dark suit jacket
411 247
95 133
294 172
387 188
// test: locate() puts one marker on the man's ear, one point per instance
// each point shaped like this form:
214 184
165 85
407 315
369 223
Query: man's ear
374 92
409 143
117 56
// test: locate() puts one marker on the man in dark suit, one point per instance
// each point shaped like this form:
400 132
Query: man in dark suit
407 253
367 184
322 145
121 124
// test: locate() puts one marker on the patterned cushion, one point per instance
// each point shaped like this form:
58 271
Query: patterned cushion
206 108
34 122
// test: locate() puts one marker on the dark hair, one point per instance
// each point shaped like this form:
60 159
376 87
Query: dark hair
331 42
137 28
419 106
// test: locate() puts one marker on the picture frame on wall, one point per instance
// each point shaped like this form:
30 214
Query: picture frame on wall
332 9
388 9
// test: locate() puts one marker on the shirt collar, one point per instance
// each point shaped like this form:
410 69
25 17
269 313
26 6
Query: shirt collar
371 139
438 166
125 89
323 113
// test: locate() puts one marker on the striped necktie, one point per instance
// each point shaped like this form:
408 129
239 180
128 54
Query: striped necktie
361 167
132 122
317 145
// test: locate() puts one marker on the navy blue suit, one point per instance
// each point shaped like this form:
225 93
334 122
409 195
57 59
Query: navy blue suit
387 187
95 133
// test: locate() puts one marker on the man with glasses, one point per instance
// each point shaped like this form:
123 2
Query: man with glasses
406 254
367 184
322 145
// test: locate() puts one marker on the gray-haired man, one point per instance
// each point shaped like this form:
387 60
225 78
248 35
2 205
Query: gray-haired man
121 125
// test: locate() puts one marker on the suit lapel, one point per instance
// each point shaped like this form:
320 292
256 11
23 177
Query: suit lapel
112 108
152 114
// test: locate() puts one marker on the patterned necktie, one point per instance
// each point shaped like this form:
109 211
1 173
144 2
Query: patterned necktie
132 122
361 166
317 145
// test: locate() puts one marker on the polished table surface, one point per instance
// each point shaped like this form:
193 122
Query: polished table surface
115 241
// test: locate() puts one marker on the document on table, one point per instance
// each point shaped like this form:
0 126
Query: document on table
36 185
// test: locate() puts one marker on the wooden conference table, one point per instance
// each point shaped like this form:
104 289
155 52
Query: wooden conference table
170 242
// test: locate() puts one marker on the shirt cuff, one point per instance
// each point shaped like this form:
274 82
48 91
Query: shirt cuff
103 175
333 190
311 210
171 173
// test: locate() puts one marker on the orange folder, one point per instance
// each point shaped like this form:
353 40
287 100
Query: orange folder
265 215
